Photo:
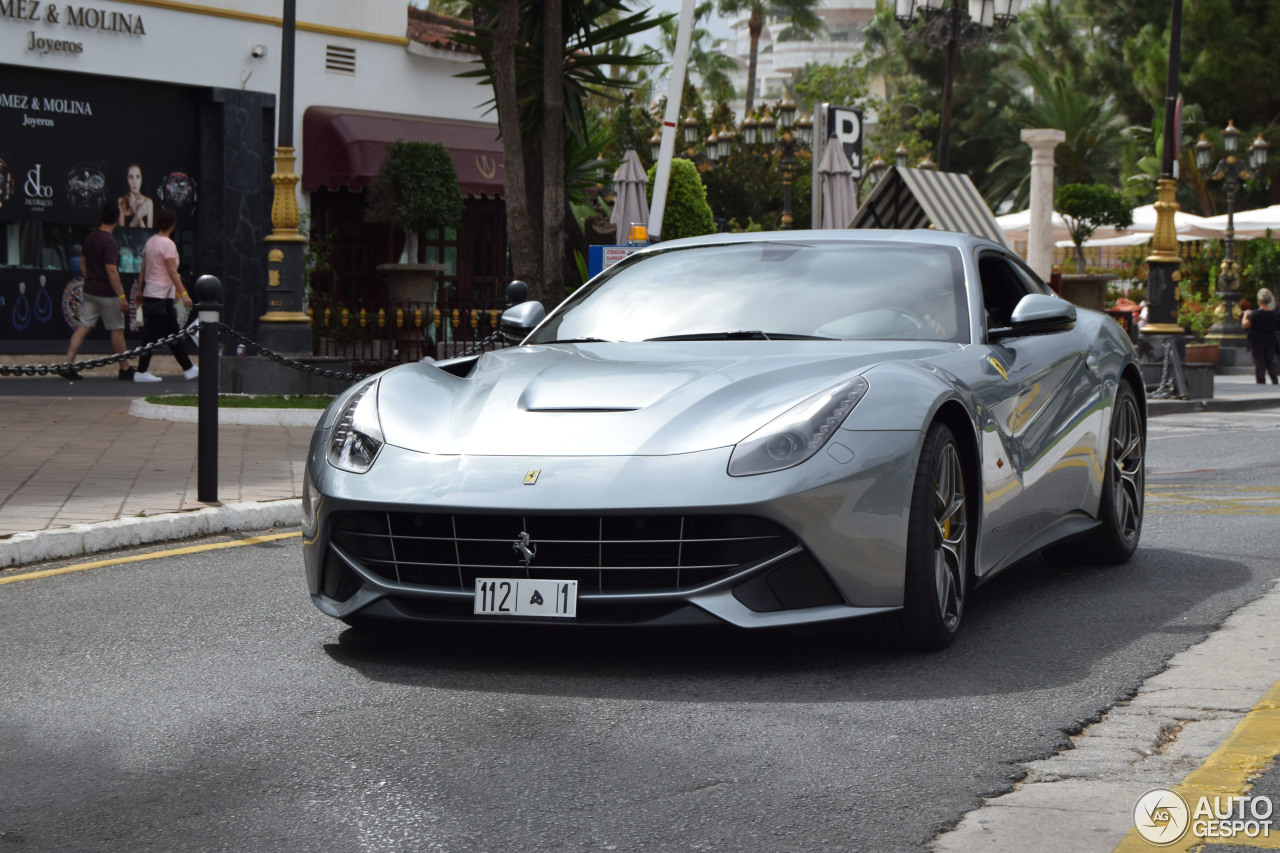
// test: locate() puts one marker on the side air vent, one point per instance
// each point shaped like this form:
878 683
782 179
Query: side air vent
340 60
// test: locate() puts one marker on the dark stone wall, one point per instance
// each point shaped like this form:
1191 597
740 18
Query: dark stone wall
237 148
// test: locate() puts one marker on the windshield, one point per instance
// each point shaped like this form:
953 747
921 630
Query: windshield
770 291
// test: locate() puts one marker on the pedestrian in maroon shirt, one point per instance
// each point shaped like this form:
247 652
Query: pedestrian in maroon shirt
104 296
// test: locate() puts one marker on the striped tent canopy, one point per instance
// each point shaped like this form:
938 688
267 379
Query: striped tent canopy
923 198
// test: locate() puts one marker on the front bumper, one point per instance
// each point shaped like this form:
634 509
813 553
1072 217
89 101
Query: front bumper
844 511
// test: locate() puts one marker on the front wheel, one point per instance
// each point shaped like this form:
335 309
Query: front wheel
938 548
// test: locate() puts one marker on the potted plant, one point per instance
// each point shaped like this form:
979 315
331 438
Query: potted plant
1196 315
1086 208
416 189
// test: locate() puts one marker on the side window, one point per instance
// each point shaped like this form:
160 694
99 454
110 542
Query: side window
1003 286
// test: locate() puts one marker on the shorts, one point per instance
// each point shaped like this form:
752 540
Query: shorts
105 307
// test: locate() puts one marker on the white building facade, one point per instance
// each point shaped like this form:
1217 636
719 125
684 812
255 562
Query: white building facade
180 98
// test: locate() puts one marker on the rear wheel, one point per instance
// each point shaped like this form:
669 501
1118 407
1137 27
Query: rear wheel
1120 512
937 571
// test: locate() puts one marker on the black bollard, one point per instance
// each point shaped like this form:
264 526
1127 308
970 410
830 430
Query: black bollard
209 306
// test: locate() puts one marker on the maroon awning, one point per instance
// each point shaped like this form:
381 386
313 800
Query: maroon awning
344 147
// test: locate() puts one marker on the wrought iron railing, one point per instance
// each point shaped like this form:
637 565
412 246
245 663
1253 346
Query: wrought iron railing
375 337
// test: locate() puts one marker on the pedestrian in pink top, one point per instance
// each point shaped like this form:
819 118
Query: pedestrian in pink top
161 284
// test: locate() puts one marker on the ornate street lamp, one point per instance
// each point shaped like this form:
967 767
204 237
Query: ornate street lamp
655 145
953 29
1232 173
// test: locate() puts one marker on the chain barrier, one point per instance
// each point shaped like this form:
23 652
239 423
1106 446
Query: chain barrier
286 361
63 369
333 374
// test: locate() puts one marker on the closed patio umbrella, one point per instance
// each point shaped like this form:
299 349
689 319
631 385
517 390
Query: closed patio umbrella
629 204
839 192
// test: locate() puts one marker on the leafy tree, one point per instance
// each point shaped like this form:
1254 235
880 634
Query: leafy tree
416 189
800 15
687 213
847 83
1088 207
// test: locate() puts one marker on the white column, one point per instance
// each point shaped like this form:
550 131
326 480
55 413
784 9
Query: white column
1040 234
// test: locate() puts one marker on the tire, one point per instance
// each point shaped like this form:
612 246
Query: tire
938 547
1121 508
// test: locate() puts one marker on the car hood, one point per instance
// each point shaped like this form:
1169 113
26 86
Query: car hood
611 399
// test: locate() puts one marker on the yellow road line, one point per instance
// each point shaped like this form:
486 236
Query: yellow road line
1246 753
138 558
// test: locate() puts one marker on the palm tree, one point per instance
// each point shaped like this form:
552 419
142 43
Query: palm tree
1093 148
800 15
543 60
711 67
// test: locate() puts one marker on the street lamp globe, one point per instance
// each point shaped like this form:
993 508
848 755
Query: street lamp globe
876 170
804 129
1204 154
768 128
786 113
901 155
691 128
655 145
1258 153
750 130
1230 137
726 141
713 146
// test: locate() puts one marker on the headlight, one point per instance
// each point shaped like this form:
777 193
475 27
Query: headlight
357 436
797 434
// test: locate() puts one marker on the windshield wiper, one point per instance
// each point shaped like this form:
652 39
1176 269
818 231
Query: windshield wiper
744 335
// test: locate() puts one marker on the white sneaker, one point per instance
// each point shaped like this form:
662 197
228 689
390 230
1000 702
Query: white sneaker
145 377
191 372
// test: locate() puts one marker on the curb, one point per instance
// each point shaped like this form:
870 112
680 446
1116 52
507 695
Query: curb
1226 404
42 545
140 408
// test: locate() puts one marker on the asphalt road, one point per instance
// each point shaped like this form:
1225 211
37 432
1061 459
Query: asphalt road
199 702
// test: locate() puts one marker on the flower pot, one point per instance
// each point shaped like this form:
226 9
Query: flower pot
1200 353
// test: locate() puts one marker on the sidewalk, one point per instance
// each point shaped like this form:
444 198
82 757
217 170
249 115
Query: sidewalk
78 473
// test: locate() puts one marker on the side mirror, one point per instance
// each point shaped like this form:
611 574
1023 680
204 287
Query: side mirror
1037 312
519 320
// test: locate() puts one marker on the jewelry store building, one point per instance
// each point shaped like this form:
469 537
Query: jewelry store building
153 104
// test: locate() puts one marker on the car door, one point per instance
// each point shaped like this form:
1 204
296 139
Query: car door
1039 418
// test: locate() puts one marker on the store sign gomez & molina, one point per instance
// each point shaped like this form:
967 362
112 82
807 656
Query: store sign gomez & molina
67 15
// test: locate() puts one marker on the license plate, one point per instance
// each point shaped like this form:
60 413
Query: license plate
538 598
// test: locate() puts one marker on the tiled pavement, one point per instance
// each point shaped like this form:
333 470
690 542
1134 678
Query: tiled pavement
79 459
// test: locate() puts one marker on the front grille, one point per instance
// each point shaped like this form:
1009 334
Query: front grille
603 553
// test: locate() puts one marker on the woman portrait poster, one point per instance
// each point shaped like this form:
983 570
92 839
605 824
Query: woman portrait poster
136 209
